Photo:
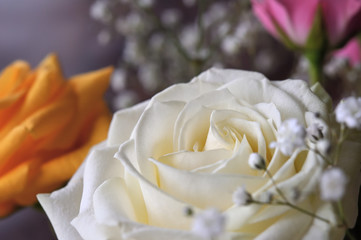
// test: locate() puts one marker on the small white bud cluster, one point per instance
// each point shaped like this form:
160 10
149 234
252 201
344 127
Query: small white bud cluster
332 184
348 111
145 3
171 17
209 224
291 135
241 197
99 10
314 130
119 79
256 161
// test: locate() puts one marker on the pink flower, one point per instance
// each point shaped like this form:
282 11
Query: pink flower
342 19
293 20
351 52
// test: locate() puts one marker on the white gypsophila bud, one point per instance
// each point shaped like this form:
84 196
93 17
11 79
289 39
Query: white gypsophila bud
266 197
189 3
131 24
209 224
323 146
265 60
295 194
125 99
242 30
230 45
145 3
149 76
291 135
314 131
218 65
188 211
202 53
104 37
189 37
333 184
256 161
333 67
241 197
223 29
99 11
216 12
156 41
348 111
132 51
170 17
118 81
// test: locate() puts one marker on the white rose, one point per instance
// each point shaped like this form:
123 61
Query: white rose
189 146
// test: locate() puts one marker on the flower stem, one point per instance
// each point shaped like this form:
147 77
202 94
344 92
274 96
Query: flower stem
340 141
275 184
287 203
343 220
294 207
306 212
315 60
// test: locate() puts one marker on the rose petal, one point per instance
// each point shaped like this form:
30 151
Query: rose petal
185 160
123 123
157 121
63 205
199 189
163 210
112 204
100 166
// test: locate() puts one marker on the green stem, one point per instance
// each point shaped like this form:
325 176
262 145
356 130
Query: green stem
275 185
340 212
294 207
349 235
340 140
306 212
325 158
343 220
315 60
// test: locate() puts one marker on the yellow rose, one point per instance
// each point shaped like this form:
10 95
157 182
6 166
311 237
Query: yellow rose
189 146
47 125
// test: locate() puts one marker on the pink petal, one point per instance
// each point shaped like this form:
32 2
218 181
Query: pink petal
260 9
341 18
301 14
295 18
351 52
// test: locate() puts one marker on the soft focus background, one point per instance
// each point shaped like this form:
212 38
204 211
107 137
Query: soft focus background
30 29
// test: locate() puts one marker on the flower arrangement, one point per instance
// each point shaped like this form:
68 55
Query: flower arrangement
227 155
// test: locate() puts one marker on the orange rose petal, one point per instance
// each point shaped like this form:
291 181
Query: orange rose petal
6 208
47 83
90 87
9 100
80 127
50 177
12 76
11 142
13 182
44 122
52 117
